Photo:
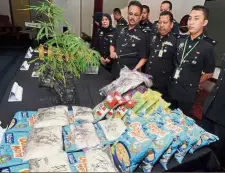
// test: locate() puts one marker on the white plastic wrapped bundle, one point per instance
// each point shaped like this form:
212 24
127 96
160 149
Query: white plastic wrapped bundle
83 114
44 142
128 80
52 116
54 163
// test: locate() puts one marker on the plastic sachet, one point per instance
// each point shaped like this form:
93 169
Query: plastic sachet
141 89
194 132
160 104
22 121
82 114
112 129
18 168
179 138
161 140
44 142
78 161
99 160
128 80
205 139
152 98
12 148
122 110
55 163
111 101
52 116
131 148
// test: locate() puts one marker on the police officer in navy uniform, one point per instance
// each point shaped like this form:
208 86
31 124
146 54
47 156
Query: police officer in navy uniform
167 6
213 113
119 18
129 43
145 24
104 35
162 50
194 62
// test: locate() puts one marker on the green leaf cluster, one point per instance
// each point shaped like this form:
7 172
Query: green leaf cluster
69 54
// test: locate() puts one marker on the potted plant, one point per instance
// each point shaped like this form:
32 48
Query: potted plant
67 55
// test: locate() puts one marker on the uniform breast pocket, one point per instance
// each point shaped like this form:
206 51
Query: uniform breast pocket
196 63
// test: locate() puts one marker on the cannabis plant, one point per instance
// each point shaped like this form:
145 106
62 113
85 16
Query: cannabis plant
67 54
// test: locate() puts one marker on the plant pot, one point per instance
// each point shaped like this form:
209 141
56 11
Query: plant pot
66 93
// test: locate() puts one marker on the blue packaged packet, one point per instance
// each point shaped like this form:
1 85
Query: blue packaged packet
161 140
205 139
22 121
18 168
68 139
131 148
77 161
101 135
194 133
179 137
12 148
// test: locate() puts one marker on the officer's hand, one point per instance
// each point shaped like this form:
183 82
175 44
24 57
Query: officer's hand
102 60
113 55
107 60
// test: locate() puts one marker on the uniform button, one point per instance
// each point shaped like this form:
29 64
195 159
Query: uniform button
176 82
125 39
150 62
157 45
152 56
221 79
117 62
190 84
190 46
120 50
163 72
217 87
150 68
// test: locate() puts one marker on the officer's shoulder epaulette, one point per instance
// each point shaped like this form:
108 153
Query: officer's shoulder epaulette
179 36
210 40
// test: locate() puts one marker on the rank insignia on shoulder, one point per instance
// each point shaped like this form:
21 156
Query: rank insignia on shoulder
210 40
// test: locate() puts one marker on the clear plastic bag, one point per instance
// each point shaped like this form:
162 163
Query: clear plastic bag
128 80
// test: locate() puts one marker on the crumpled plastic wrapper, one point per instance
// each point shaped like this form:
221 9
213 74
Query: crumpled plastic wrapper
128 80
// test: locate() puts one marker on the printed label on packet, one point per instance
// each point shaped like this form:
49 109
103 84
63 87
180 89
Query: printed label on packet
77 161
137 132
153 129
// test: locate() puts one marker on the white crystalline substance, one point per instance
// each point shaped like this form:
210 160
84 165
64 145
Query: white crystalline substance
99 161
112 129
55 163
85 136
43 142
83 114
53 116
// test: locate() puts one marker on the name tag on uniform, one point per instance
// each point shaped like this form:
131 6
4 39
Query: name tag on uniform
160 53
177 73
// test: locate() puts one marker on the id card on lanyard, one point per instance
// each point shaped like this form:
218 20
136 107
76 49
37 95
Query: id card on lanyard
184 56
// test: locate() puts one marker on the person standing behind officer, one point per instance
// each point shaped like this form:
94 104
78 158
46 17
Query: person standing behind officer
104 35
213 118
145 24
167 6
162 50
194 62
119 18
129 44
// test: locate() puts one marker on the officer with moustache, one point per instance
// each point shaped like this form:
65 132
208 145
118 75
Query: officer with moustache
128 46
